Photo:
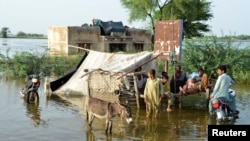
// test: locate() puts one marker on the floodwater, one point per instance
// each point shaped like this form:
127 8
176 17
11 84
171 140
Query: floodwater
12 46
62 118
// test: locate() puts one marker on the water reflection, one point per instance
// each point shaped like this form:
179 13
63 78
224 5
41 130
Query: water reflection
90 136
212 121
4 42
33 111
151 132
66 101
189 123
47 98
65 114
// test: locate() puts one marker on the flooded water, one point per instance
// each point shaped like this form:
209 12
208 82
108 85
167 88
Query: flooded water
62 118
17 45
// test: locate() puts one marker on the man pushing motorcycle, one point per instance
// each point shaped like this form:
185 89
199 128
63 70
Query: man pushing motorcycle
221 92
32 82
29 92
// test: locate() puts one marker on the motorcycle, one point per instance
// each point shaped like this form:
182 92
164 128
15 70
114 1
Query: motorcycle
222 108
30 92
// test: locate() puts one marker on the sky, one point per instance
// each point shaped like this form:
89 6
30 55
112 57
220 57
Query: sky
231 17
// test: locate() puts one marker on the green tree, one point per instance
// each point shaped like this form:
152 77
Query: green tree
26 63
4 32
193 13
141 10
21 34
209 53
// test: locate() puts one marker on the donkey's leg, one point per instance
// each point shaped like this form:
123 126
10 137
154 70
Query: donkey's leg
91 119
87 120
87 116
108 126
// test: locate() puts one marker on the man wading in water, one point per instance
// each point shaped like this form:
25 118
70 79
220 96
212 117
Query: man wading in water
152 94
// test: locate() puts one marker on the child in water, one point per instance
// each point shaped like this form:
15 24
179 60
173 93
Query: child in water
166 90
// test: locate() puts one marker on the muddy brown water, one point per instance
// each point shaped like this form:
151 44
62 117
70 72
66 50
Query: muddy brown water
63 118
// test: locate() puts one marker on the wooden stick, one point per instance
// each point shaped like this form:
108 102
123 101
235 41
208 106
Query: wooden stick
140 65
93 71
79 47
89 72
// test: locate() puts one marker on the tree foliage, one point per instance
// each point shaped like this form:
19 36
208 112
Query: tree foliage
193 13
21 34
26 63
209 53
4 32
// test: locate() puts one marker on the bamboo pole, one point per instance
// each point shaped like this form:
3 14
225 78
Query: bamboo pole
102 71
137 94
89 72
79 48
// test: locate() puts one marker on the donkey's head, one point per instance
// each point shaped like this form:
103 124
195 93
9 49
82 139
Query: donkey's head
126 112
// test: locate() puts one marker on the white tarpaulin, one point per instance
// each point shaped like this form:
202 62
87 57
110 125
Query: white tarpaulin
111 62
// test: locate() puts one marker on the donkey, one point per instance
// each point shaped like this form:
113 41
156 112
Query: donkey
106 110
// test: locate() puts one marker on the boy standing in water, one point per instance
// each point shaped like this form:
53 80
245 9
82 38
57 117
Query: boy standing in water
152 93
166 91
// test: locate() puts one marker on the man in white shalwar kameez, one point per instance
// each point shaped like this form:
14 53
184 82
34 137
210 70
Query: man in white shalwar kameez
221 88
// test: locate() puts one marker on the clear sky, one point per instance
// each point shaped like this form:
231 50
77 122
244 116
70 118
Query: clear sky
231 17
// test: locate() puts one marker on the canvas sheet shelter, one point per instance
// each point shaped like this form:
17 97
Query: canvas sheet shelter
116 63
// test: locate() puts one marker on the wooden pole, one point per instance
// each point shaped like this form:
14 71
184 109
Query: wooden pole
89 72
166 66
137 94
79 48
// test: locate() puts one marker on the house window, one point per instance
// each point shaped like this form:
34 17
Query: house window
117 47
83 45
138 47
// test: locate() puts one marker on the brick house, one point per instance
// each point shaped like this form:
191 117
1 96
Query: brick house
106 37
